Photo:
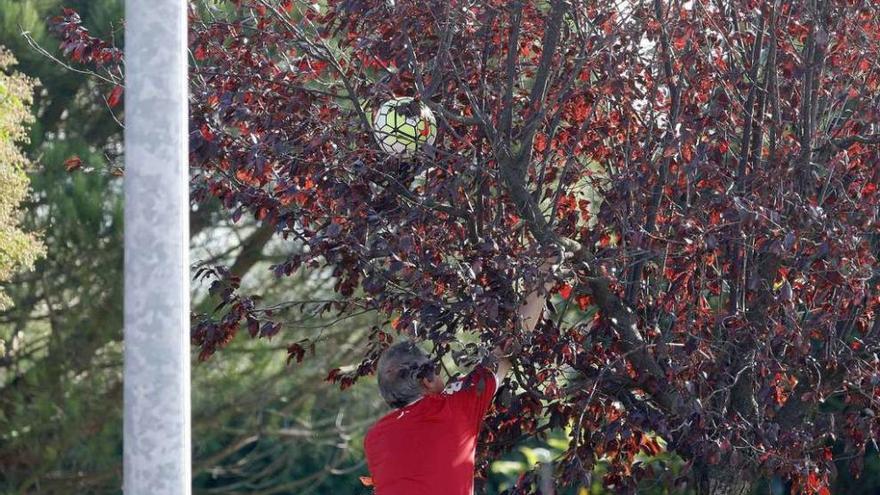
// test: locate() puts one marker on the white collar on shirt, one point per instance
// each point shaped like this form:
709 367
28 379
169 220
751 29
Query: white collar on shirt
411 403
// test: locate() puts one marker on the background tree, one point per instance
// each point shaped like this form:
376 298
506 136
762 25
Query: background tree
18 249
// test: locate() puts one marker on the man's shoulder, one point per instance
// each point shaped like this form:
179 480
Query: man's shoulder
371 430
426 403
375 430
378 425
476 378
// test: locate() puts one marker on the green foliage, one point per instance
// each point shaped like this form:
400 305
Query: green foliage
536 454
18 249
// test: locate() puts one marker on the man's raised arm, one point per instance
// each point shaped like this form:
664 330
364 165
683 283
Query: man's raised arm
530 312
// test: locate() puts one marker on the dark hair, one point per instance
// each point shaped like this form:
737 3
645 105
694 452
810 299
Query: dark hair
400 370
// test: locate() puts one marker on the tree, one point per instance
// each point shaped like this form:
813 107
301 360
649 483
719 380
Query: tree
18 249
711 165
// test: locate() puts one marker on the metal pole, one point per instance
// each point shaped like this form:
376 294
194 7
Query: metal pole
157 445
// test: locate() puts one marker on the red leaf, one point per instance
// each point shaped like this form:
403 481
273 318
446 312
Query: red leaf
115 96
200 53
581 111
312 68
73 163
540 142
206 132
244 175
78 52
333 375
827 455
565 291
295 351
584 301
318 66
687 152
813 481
681 41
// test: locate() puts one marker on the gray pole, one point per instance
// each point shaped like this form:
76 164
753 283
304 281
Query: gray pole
157 445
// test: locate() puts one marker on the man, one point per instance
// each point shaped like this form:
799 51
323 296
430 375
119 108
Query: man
426 444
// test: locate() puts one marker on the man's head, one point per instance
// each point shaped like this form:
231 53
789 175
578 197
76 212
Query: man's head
406 373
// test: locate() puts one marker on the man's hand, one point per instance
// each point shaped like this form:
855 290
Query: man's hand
530 312
502 354
556 261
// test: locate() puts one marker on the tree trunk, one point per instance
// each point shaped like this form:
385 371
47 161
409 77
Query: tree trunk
723 480
725 487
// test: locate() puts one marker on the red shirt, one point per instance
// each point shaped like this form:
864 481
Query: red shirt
427 448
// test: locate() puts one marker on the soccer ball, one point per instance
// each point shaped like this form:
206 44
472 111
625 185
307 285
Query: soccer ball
403 126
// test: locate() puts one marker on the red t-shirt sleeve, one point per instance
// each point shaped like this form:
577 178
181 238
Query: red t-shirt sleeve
474 397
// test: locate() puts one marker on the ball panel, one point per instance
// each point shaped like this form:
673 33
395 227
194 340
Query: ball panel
407 132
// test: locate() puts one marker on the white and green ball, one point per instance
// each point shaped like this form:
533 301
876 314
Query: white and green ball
403 126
